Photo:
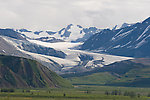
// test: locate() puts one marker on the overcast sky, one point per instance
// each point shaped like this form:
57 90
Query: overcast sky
55 14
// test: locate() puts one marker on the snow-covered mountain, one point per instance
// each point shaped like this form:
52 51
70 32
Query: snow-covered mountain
130 40
71 33
57 56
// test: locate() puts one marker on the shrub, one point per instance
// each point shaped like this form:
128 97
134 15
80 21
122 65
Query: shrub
126 93
23 91
107 93
64 94
27 90
119 92
87 91
115 92
131 94
7 90
139 95
148 95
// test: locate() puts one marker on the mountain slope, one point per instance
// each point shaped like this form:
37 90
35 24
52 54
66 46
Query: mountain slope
130 41
34 48
11 33
24 73
8 49
134 73
13 47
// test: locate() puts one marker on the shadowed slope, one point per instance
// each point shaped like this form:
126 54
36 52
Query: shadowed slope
24 73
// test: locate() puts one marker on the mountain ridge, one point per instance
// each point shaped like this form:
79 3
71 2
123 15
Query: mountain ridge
131 41
71 33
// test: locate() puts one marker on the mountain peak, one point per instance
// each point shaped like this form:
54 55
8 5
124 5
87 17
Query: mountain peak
125 25
146 20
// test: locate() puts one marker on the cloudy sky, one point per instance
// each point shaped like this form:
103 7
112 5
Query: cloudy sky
55 14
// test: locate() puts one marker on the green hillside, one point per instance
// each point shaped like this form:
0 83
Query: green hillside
16 72
131 73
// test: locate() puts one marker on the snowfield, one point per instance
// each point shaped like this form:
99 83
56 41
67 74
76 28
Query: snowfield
73 55
57 46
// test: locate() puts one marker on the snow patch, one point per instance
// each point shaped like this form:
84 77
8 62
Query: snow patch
116 47
3 51
126 44
58 46
142 42
120 36
143 33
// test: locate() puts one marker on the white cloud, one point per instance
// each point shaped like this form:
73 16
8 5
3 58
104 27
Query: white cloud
55 14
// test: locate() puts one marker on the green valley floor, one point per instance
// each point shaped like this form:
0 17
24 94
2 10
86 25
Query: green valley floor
79 92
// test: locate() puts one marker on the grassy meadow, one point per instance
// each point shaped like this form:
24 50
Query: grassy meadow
79 92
